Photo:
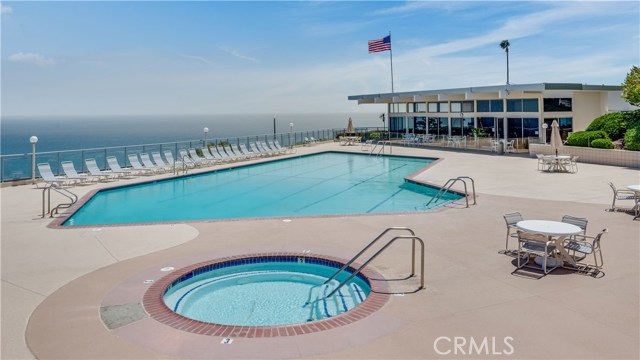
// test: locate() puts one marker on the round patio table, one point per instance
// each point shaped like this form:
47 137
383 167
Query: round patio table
556 230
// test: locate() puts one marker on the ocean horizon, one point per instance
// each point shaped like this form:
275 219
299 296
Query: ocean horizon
58 133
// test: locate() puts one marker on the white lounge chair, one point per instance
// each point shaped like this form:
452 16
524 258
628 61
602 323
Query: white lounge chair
254 148
94 170
238 153
115 167
199 160
230 152
275 148
248 153
219 153
159 161
47 175
71 173
137 166
263 149
211 158
280 147
147 163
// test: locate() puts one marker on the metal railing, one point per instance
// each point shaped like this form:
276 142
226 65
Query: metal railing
18 166
447 186
413 237
46 192
382 147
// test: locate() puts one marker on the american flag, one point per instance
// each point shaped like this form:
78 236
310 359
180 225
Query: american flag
379 45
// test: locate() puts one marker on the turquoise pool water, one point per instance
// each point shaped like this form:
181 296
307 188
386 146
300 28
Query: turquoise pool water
265 294
321 184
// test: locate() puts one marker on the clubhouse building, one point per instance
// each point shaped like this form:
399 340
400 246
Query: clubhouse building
501 111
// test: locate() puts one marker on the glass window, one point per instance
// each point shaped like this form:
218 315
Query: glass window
396 123
456 127
514 127
557 104
497 105
432 125
420 107
566 126
433 107
402 107
467 126
420 124
456 106
530 127
514 105
487 124
483 106
443 106
530 105
467 106
443 126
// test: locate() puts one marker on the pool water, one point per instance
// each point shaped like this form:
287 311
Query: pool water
320 184
265 294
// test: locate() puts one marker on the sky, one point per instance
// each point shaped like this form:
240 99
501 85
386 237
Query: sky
217 57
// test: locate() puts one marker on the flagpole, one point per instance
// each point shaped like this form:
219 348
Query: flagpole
391 57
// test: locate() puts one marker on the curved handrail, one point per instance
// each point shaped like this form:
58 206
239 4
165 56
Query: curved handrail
413 237
62 191
398 228
447 186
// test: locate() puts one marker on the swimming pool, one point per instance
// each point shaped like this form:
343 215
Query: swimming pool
320 184
265 291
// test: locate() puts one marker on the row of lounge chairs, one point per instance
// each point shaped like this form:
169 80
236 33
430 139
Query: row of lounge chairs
155 164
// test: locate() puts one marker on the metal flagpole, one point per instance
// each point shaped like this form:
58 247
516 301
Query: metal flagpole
391 57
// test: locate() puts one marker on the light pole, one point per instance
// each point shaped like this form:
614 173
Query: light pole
290 131
206 132
544 133
33 140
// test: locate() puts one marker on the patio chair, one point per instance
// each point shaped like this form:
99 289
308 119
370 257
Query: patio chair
545 162
494 145
275 149
173 162
573 163
94 170
146 162
113 164
248 153
197 159
159 161
586 245
266 148
223 155
232 153
47 175
621 194
237 151
71 173
280 147
511 220
137 166
211 158
577 221
510 146
539 246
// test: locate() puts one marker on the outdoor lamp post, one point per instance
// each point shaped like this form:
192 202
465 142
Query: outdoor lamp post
290 131
33 140
544 133
206 132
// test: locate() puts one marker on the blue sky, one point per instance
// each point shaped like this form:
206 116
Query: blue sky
208 57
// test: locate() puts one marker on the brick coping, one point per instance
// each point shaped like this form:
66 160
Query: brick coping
156 308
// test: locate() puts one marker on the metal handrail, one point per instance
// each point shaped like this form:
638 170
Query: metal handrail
413 237
447 186
64 192
396 228
385 142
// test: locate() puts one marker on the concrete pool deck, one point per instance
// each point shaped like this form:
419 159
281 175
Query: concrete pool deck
55 281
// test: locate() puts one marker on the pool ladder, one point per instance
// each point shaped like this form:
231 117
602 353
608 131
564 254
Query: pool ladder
447 186
46 192
412 236
383 144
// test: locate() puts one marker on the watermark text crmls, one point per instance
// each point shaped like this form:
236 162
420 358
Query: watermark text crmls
468 345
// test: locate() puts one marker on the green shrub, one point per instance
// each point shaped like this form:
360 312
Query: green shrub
632 139
602 144
632 118
584 138
374 135
613 124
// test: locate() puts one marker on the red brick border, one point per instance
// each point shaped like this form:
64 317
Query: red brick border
154 305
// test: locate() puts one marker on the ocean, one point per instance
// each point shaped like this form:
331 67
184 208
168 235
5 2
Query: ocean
84 132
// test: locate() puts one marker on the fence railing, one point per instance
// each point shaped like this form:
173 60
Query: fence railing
18 166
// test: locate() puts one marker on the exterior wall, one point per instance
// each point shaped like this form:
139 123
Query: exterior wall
593 156
586 107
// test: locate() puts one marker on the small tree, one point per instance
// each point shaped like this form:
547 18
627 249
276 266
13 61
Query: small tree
631 86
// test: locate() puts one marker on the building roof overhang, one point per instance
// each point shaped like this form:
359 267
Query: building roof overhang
468 92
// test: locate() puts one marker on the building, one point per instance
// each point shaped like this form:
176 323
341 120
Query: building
502 111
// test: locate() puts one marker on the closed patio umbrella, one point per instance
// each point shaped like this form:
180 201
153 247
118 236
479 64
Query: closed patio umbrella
350 127
556 140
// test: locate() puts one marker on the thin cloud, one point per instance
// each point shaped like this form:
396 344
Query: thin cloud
197 58
239 55
32 59
6 9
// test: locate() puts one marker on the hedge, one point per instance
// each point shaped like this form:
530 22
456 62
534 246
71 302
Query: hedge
632 139
613 124
602 144
584 138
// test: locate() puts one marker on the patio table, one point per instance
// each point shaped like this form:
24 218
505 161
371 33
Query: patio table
558 162
556 230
